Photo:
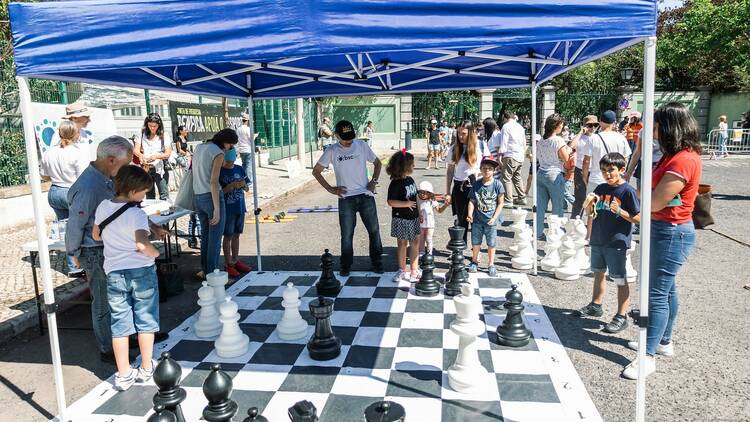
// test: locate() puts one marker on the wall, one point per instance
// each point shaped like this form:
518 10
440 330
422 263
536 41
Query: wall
699 103
383 110
730 104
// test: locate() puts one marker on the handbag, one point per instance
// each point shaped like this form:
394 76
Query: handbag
702 209
184 198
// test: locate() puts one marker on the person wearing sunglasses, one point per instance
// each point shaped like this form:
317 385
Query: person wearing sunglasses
580 143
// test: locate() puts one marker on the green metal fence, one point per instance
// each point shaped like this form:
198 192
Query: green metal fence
574 107
451 106
275 121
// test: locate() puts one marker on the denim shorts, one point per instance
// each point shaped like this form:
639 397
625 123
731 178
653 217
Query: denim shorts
480 230
133 297
235 223
612 260
433 147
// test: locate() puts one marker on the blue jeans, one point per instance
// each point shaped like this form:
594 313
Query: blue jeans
162 183
247 165
210 235
57 198
348 208
92 260
133 297
550 185
723 144
670 247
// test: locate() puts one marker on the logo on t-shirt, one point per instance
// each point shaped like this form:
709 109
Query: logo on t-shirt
343 158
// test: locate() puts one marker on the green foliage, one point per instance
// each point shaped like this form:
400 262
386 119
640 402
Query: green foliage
452 106
13 167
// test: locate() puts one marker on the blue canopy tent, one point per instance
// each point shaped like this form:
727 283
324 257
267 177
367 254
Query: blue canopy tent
257 49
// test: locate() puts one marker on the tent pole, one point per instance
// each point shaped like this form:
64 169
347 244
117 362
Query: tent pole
649 76
256 210
41 236
533 172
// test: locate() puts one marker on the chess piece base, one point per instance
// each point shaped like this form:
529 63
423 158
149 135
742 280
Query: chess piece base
465 379
567 274
513 337
204 329
429 290
522 264
549 268
294 330
324 350
224 413
232 349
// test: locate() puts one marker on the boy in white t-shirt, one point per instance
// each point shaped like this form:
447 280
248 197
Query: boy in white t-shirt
132 286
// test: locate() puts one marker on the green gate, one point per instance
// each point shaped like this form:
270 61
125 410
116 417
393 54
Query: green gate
575 106
451 106
518 101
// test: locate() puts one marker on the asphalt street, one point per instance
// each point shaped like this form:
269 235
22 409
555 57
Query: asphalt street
707 379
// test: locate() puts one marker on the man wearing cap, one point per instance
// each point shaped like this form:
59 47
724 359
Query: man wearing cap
245 144
356 193
602 143
434 140
581 143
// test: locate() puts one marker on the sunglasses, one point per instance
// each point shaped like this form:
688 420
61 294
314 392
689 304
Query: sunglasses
592 125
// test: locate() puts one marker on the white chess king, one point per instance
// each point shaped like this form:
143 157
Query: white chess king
218 280
467 374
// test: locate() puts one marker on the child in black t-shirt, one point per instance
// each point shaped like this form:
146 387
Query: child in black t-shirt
615 208
402 198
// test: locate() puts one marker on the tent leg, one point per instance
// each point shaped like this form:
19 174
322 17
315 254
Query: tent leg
41 235
649 76
533 172
256 210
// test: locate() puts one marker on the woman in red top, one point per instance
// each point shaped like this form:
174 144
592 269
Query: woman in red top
674 188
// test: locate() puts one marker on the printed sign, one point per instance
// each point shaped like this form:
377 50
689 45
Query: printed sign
624 104
47 119
202 120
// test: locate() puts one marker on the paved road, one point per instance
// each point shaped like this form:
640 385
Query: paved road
708 378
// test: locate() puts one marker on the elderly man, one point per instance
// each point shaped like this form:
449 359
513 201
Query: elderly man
92 187
356 194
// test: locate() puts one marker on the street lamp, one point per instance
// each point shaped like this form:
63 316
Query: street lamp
626 74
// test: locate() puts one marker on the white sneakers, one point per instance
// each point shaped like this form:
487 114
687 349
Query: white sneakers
661 349
402 275
123 383
631 371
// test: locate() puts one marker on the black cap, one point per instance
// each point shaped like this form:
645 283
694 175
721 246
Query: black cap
345 130
609 117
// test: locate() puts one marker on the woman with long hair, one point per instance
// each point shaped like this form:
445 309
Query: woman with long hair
152 150
463 167
552 153
674 187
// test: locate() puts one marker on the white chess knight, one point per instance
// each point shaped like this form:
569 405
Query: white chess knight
583 260
552 259
519 225
207 325
218 281
524 259
467 373
568 269
631 275
291 326
232 342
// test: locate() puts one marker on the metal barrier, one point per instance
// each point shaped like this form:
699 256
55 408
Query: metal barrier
737 142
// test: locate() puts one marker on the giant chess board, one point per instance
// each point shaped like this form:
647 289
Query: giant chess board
395 345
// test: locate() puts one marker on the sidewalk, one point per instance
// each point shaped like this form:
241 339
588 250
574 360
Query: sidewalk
17 307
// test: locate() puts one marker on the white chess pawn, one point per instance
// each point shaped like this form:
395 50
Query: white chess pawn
524 259
207 325
631 275
291 326
218 281
232 342
467 374
551 259
568 269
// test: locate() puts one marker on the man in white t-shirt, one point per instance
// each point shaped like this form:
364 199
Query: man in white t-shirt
245 144
581 143
511 149
356 193
602 143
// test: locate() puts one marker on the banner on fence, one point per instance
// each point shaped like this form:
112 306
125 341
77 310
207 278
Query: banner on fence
47 118
202 120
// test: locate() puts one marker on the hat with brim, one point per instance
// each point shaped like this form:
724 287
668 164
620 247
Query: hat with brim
490 161
635 114
590 119
345 130
425 186
76 109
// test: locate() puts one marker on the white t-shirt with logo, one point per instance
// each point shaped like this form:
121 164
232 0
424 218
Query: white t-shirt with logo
152 147
349 165
120 252
595 149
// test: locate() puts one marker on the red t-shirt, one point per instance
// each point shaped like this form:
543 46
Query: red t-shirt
686 164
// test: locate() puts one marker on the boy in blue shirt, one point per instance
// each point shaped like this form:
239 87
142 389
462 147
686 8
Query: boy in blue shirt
615 211
485 204
234 184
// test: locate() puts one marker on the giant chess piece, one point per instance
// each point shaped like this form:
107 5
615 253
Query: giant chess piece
568 269
254 416
551 259
385 411
467 373
519 224
328 285
217 388
207 325
162 415
303 411
457 273
291 326
524 259
631 275
583 260
324 345
232 342
512 332
167 375
427 286
218 281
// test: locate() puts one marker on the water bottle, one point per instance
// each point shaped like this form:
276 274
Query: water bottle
55 231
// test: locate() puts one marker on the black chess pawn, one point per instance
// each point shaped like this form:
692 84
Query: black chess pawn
427 286
254 416
457 273
303 411
512 332
328 285
217 388
324 345
385 411
162 415
167 375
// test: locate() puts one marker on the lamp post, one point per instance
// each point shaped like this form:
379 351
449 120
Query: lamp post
626 74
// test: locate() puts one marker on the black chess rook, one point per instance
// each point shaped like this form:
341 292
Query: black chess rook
427 286
303 411
385 411
512 332
162 415
324 345
328 285
167 375
457 273
217 388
